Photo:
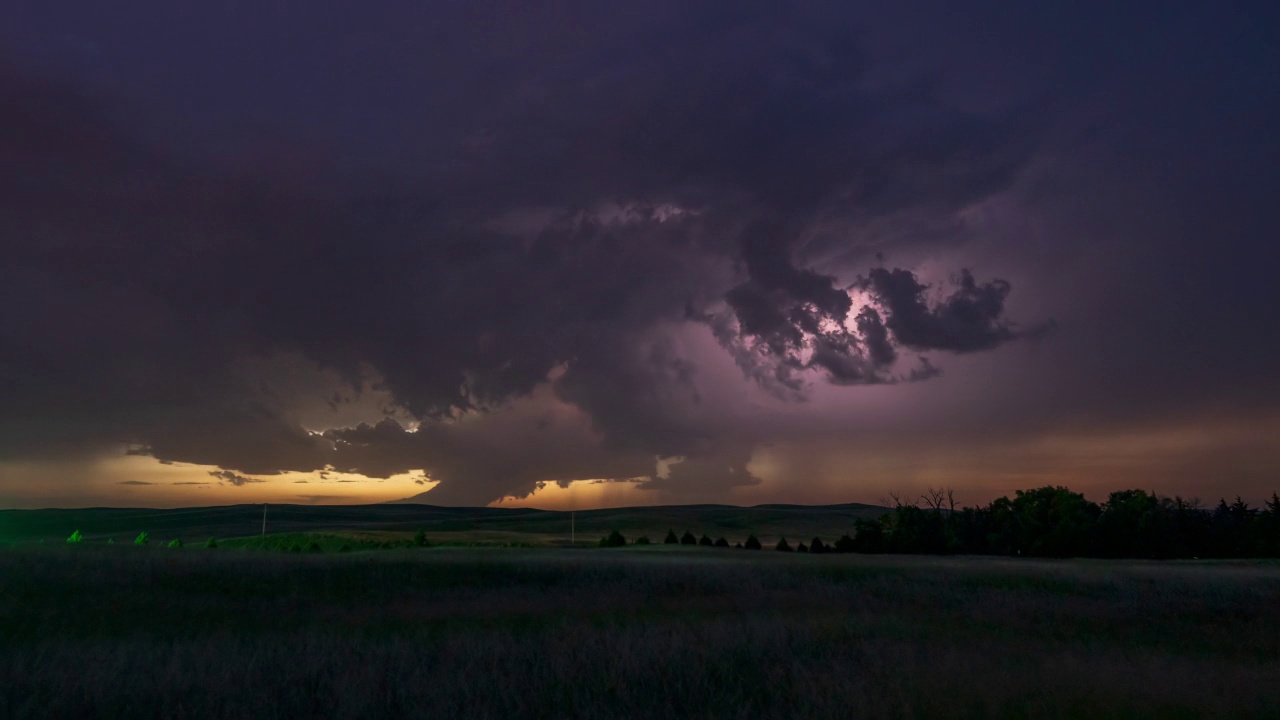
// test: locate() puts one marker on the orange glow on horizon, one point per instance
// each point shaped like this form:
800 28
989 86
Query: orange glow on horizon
1185 458
582 495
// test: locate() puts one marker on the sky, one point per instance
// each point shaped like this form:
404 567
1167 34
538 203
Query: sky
585 254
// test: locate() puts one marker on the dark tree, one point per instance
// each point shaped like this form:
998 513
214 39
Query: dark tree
642 540
704 540
1190 527
817 546
671 538
688 539
1131 526
1231 528
722 543
753 543
313 547
211 543
614 539
420 539
802 548
737 546
1053 522
869 536
912 529
782 546
844 544
1269 528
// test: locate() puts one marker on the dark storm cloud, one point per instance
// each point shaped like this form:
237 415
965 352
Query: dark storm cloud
715 471
780 304
969 319
638 391
498 455
876 337
495 199
649 171
233 478
789 313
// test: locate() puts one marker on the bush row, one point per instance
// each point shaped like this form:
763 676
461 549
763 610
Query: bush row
843 545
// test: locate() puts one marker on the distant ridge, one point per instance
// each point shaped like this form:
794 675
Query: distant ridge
423 499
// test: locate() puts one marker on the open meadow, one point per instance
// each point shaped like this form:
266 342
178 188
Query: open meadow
369 525
636 632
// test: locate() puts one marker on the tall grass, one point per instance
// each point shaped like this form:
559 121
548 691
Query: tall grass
145 632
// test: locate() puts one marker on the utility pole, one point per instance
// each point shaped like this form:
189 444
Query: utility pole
573 531
264 520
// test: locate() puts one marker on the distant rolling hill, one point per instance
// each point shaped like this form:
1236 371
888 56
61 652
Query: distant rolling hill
441 524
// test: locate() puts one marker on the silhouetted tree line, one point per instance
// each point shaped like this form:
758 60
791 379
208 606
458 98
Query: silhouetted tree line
1056 522
1045 522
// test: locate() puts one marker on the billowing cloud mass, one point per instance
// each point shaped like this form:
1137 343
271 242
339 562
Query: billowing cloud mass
233 478
505 247
969 319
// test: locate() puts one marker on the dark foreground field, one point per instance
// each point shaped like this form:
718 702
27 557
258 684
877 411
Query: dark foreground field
659 632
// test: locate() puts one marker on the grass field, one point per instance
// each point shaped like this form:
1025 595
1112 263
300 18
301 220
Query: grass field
443 525
659 632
